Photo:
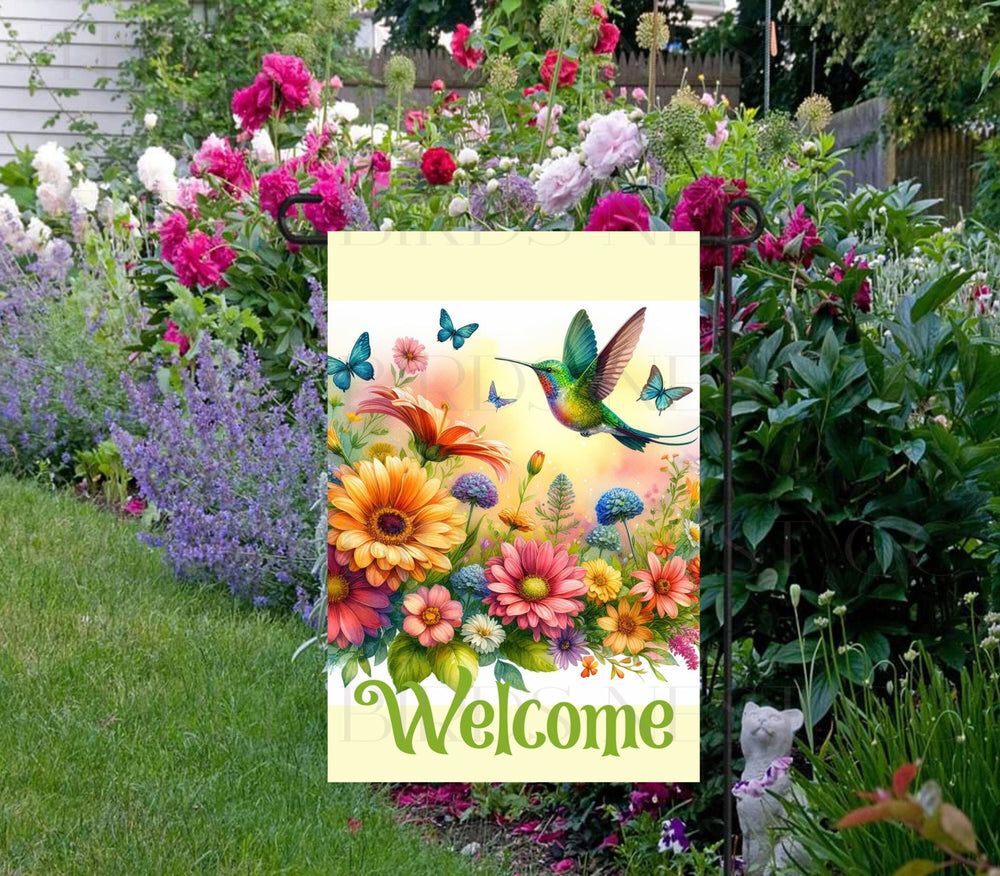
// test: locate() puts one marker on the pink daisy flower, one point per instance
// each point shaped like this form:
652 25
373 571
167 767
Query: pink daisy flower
665 586
431 615
409 355
534 583
354 609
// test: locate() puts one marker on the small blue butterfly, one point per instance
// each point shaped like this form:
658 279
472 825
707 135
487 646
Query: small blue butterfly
664 397
356 365
496 400
458 336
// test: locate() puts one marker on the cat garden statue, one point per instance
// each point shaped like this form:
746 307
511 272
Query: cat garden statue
766 740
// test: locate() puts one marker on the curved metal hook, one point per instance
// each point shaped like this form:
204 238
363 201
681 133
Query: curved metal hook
301 239
732 207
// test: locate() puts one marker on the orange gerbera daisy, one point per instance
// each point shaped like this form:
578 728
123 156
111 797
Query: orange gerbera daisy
664 586
390 520
625 627
694 570
435 438
516 520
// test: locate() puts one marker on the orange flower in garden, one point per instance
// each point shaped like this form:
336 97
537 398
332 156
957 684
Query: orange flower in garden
390 520
694 570
517 520
664 587
435 438
663 548
693 485
589 666
625 627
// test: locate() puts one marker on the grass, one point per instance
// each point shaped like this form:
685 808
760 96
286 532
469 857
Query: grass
149 727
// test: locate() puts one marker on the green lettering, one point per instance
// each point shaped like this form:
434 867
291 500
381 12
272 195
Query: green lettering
574 726
647 724
610 728
367 694
520 716
468 723
503 733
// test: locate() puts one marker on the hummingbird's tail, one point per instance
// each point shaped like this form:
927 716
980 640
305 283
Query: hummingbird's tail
634 439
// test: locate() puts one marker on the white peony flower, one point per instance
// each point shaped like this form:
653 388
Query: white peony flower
11 226
492 186
37 235
387 224
468 157
84 195
53 197
51 164
156 169
360 133
150 120
345 111
613 142
561 184
458 206
262 147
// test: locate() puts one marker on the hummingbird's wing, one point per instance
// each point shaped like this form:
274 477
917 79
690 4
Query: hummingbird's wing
580 346
604 372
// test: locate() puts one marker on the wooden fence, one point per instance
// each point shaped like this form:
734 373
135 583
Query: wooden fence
631 73
941 161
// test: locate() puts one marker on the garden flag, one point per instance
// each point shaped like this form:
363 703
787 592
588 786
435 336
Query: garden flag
513 535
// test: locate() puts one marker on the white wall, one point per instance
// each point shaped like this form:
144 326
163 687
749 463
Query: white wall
78 65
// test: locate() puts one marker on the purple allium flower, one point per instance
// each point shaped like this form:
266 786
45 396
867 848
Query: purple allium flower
674 837
568 648
512 200
474 488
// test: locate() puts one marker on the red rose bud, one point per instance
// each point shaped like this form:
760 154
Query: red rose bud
536 462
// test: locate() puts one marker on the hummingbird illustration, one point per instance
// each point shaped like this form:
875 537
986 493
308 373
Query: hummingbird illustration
576 387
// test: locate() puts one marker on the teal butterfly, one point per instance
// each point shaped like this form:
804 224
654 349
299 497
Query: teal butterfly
495 399
458 336
655 390
357 364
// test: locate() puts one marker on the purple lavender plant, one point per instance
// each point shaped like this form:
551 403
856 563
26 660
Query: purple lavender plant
235 473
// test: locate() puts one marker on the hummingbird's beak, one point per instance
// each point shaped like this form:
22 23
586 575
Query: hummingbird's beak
515 361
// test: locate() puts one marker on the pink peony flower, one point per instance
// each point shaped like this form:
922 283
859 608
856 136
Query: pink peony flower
215 157
173 230
707 100
134 506
796 243
331 213
284 82
201 260
618 211
701 208
461 52
437 85
598 11
863 297
409 355
336 82
431 615
714 141
415 120
188 190
607 39
613 142
173 335
638 94
534 583
273 187
355 609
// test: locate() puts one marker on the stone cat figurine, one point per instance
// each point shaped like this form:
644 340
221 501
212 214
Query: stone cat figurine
766 739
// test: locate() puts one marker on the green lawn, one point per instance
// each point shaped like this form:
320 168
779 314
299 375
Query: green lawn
147 727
